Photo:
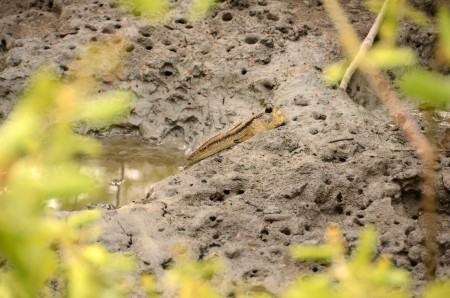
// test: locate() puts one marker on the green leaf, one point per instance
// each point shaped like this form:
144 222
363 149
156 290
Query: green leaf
96 254
364 251
317 286
444 32
67 181
18 137
383 275
192 278
333 73
106 108
399 278
80 219
438 289
68 146
416 15
426 87
37 163
20 132
154 10
149 285
199 8
386 57
389 27
40 93
324 252
374 5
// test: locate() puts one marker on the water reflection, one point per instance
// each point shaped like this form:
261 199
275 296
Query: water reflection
128 168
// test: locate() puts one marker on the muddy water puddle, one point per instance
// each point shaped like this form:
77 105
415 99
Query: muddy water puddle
126 171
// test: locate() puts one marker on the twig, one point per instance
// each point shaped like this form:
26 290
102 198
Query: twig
343 139
365 45
440 150
427 154
419 141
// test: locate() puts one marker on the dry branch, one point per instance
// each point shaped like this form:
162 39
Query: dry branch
365 45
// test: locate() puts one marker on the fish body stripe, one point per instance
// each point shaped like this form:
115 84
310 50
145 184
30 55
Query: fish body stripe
235 131
239 133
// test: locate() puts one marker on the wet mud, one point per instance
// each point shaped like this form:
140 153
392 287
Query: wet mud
333 162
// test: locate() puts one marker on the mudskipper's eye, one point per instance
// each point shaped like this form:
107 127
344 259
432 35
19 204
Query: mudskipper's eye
269 110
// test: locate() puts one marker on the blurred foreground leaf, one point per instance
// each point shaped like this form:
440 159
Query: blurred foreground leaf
333 73
427 88
389 27
358 276
191 279
324 252
437 289
199 8
19 132
444 32
101 110
38 163
415 15
365 249
154 10
396 10
316 286
391 57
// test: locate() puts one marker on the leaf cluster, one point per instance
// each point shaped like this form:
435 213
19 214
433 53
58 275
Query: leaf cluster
157 10
362 274
357 276
41 252
427 88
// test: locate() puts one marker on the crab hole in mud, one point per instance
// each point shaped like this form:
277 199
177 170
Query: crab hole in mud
227 16
217 197
124 173
167 263
339 209
286 231
168 70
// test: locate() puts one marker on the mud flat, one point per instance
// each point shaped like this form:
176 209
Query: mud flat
333 162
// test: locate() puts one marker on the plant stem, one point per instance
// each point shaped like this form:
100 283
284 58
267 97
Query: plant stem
425 150
365 45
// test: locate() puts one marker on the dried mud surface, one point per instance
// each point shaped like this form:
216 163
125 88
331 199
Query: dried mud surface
333 162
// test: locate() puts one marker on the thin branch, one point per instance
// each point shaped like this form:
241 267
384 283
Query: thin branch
342 139
365 45
424 149
427 154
